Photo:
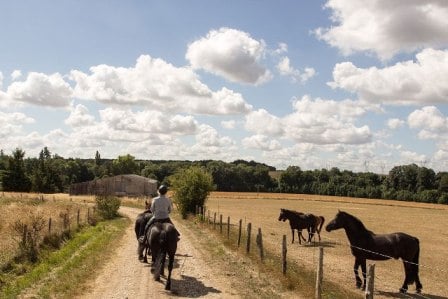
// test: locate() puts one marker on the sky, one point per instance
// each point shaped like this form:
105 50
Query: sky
358 85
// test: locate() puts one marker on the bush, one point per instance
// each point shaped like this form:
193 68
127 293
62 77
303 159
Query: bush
107 206
191 188
29 236
443 199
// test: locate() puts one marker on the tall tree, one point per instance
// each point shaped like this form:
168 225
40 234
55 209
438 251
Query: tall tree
14 177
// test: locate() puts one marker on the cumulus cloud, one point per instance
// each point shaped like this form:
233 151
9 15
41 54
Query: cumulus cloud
431 123
16 74
386 27
285 69
228 124
261 142
12 123
42 90
232 54
79 116
157 85
395 123
315 121
148 121
424 81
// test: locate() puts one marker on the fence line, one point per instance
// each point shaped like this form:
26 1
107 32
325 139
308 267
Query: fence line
378 280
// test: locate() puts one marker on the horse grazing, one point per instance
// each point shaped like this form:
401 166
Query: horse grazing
139 228
366 245
297 220
163 239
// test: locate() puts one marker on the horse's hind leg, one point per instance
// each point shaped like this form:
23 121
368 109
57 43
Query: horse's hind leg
170 268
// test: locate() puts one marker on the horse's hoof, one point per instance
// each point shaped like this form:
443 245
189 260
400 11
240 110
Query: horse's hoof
403 290
418 291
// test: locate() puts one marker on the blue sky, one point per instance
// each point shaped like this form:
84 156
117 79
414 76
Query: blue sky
317 84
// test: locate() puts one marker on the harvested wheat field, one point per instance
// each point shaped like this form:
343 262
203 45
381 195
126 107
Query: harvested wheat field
427 222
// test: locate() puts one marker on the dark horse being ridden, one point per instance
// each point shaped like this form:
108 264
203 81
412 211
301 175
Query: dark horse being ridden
366 245
297 220
163 239
139 228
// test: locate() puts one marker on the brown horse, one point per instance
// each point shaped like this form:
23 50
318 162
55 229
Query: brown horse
163 239
366 245
298 220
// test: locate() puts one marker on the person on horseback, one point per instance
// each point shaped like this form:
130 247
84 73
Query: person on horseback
161 208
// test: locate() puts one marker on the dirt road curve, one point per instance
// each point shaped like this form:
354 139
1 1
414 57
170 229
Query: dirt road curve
125 277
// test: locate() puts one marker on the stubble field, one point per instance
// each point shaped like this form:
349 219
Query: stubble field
427 222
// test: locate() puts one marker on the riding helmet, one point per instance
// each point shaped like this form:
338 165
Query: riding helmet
163 189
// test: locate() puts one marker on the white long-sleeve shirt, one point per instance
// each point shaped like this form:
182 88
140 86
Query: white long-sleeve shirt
161 207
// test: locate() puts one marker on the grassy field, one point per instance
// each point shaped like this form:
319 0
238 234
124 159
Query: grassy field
425 221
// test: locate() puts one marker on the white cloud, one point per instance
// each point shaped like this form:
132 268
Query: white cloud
209 136
412 157
11 123
429 118
424 81
314 121
79 116
16 74
232 54
395 123
285 69
386 27
156 85
228 124
261 142
263 123
42 90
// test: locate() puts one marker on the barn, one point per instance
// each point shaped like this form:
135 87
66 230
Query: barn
120 185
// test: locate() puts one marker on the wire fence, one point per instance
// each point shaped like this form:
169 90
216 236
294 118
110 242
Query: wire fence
309 255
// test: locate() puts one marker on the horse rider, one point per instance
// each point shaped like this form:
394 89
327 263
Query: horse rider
161 208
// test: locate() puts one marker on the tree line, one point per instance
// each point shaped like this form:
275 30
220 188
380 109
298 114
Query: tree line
51 173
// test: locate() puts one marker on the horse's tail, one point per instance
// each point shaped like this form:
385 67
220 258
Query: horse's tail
322 220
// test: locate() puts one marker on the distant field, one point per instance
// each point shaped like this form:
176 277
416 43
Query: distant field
427 222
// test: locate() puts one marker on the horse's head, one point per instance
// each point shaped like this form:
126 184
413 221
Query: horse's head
282 216
336 223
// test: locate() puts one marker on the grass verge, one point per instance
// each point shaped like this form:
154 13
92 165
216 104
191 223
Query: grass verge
74 264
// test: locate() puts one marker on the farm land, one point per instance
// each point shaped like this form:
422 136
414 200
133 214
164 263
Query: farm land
427 222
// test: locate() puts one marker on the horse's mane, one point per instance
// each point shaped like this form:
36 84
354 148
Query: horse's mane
356 222
293 212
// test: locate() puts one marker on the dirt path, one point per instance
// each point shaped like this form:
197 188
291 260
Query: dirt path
125 277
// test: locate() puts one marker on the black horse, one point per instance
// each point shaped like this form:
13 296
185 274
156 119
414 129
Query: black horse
297 220
139 229
163 239
366 245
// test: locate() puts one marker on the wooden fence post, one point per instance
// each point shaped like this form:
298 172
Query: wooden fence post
77 218
249 229
284 250
260 243
208 217
320 272
214 220
228 227
49 226
220 223
370 282
239 232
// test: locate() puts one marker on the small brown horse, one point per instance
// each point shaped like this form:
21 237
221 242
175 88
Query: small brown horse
298 220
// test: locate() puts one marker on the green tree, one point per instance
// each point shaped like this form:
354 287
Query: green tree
125 165
191 188
14 177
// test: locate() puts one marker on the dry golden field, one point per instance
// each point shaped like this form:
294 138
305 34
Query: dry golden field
21 206
427 222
